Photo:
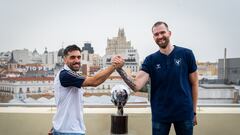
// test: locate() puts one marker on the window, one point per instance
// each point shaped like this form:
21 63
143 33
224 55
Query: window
39 90
28 90
20 90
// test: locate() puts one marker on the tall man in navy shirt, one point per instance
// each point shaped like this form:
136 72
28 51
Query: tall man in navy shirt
68 119
172 71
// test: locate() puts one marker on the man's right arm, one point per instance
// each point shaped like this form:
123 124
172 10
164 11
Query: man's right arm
137 83
98 78
117 62
69 78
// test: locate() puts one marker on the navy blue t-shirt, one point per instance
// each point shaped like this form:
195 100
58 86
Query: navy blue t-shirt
171 91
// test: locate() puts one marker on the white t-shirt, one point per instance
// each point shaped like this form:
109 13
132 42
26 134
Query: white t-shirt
69 102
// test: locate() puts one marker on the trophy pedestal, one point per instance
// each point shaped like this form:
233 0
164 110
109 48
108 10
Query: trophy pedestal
119 124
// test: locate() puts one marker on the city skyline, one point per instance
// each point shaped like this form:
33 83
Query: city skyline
206 27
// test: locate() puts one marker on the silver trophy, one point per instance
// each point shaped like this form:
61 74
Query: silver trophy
119 96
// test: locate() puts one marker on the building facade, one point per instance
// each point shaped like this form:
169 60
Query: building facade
50 59
207 70
229 70
26 84
120 46
22 56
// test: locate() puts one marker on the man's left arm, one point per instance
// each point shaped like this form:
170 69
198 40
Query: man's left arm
194 82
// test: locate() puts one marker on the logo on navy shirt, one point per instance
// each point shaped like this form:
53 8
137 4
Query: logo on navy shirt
177 61
158 66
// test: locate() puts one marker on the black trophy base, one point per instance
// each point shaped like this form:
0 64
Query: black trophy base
119 124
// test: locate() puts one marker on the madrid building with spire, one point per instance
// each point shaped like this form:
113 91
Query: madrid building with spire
120 46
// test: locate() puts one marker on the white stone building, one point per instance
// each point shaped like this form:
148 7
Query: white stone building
36 57
22 56
119 45
26 84
50 59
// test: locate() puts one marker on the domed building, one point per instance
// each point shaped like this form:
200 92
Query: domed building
35 52
45 51
36 57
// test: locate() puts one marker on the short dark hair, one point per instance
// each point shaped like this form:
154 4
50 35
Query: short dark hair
159 23
71 48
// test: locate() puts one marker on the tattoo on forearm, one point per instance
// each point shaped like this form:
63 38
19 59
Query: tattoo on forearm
128 80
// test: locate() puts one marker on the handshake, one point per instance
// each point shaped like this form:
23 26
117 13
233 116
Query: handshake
117 61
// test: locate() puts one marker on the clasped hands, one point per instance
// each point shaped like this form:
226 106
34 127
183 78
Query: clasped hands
117 61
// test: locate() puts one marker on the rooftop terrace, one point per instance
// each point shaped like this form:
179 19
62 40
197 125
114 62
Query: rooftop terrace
36 120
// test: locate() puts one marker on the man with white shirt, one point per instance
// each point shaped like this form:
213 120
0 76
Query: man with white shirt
68 119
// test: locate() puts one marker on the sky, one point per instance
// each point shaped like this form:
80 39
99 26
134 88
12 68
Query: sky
204 26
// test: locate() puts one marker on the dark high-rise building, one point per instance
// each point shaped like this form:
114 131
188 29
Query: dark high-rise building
88 47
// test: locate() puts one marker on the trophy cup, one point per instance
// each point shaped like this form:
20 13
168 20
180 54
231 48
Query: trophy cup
119 121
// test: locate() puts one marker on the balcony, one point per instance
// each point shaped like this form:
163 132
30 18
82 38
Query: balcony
36 120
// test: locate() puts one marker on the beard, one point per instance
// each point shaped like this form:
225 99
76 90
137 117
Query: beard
163 44
74 66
